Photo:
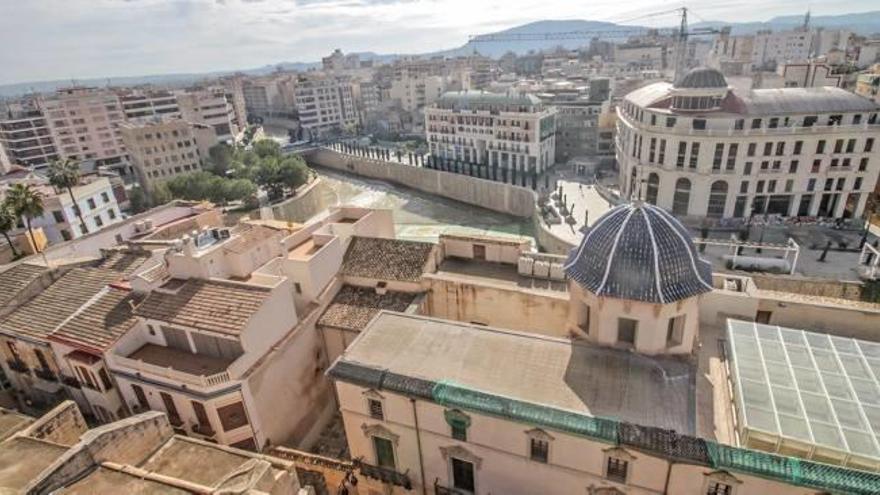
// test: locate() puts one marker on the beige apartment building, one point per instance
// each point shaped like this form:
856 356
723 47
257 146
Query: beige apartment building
326 104
142 104
84 122
25 137
212 107
162 148
510 131
701 149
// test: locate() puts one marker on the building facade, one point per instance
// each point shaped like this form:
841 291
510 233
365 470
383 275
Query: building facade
210 106
510 131
25 138
701 149
164 148
326 104
84 123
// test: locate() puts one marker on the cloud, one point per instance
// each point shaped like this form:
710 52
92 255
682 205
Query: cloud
61 39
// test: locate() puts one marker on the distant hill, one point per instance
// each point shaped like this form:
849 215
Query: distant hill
866 23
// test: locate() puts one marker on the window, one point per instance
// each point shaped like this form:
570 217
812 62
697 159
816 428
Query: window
752 148
171 409
105 197
652 188
463 475
675 331
98 220
297 287
539 450
768 148
616 469
774 123
747 169
717 199
739 124
141 397
811 185
718 488
744 187
838 146
375 407
201 415
869 145
105 379
699 124
682 197
718 156
792 167
670 121
780 148
863 164
232 416
91 203
731 156
384 451
626 331
857 184
820 146
58 216
695 155
682 149
798 146
111 213
850 145
756 123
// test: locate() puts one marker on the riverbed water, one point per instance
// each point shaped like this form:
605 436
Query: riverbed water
417 216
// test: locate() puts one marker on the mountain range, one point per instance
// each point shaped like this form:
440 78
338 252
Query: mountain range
866 23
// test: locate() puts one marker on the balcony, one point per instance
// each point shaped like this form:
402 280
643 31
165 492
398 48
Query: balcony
71 382
442 490
384 475
17 365
45 374
175 366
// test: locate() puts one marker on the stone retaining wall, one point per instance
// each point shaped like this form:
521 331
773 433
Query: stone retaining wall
496 196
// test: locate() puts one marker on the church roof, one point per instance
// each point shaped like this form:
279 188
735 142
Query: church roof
640 252
701 78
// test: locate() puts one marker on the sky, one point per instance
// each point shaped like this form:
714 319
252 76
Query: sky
68 39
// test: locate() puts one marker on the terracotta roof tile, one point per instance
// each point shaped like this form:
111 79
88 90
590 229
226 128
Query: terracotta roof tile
17 279
212 305
353 307
124 262
386 259
102 321
40 316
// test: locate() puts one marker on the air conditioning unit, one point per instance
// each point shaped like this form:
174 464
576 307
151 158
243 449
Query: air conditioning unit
382 288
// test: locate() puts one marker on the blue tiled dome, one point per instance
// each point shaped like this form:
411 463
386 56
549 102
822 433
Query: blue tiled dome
702 77
639 252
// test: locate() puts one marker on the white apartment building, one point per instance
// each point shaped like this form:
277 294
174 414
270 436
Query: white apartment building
510 131
84 123
418 91
702 149
210 106
325 104
162 148
770 48
25 138
94 198
139 104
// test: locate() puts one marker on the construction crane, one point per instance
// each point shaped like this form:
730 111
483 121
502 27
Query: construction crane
681 36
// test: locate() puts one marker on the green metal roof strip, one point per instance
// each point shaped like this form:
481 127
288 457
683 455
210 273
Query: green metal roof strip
453 395
790 470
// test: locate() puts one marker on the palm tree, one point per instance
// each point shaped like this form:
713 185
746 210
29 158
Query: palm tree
7 223
64 174
26 202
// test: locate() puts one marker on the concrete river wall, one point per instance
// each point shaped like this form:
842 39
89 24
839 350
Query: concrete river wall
496 196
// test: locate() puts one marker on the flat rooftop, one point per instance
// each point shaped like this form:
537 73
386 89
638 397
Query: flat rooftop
12 422
104 480
22 459
187 460
186 362
577 377
498 274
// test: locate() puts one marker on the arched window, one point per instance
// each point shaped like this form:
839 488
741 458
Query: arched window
682 197
717 199
632 183
652 188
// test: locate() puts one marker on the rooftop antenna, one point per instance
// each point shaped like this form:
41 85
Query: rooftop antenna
807 21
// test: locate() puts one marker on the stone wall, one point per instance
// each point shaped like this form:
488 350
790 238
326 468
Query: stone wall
62 425
496 196
307 203
839 289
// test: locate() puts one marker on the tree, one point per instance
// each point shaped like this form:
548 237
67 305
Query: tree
267 148
138 199
160 194
7 223
26 202
294 172
201 186
275 175
64 174
220 157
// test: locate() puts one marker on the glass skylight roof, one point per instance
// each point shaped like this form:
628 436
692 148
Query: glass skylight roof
810 387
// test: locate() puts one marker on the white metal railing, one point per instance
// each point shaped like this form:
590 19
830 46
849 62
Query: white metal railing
204 381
